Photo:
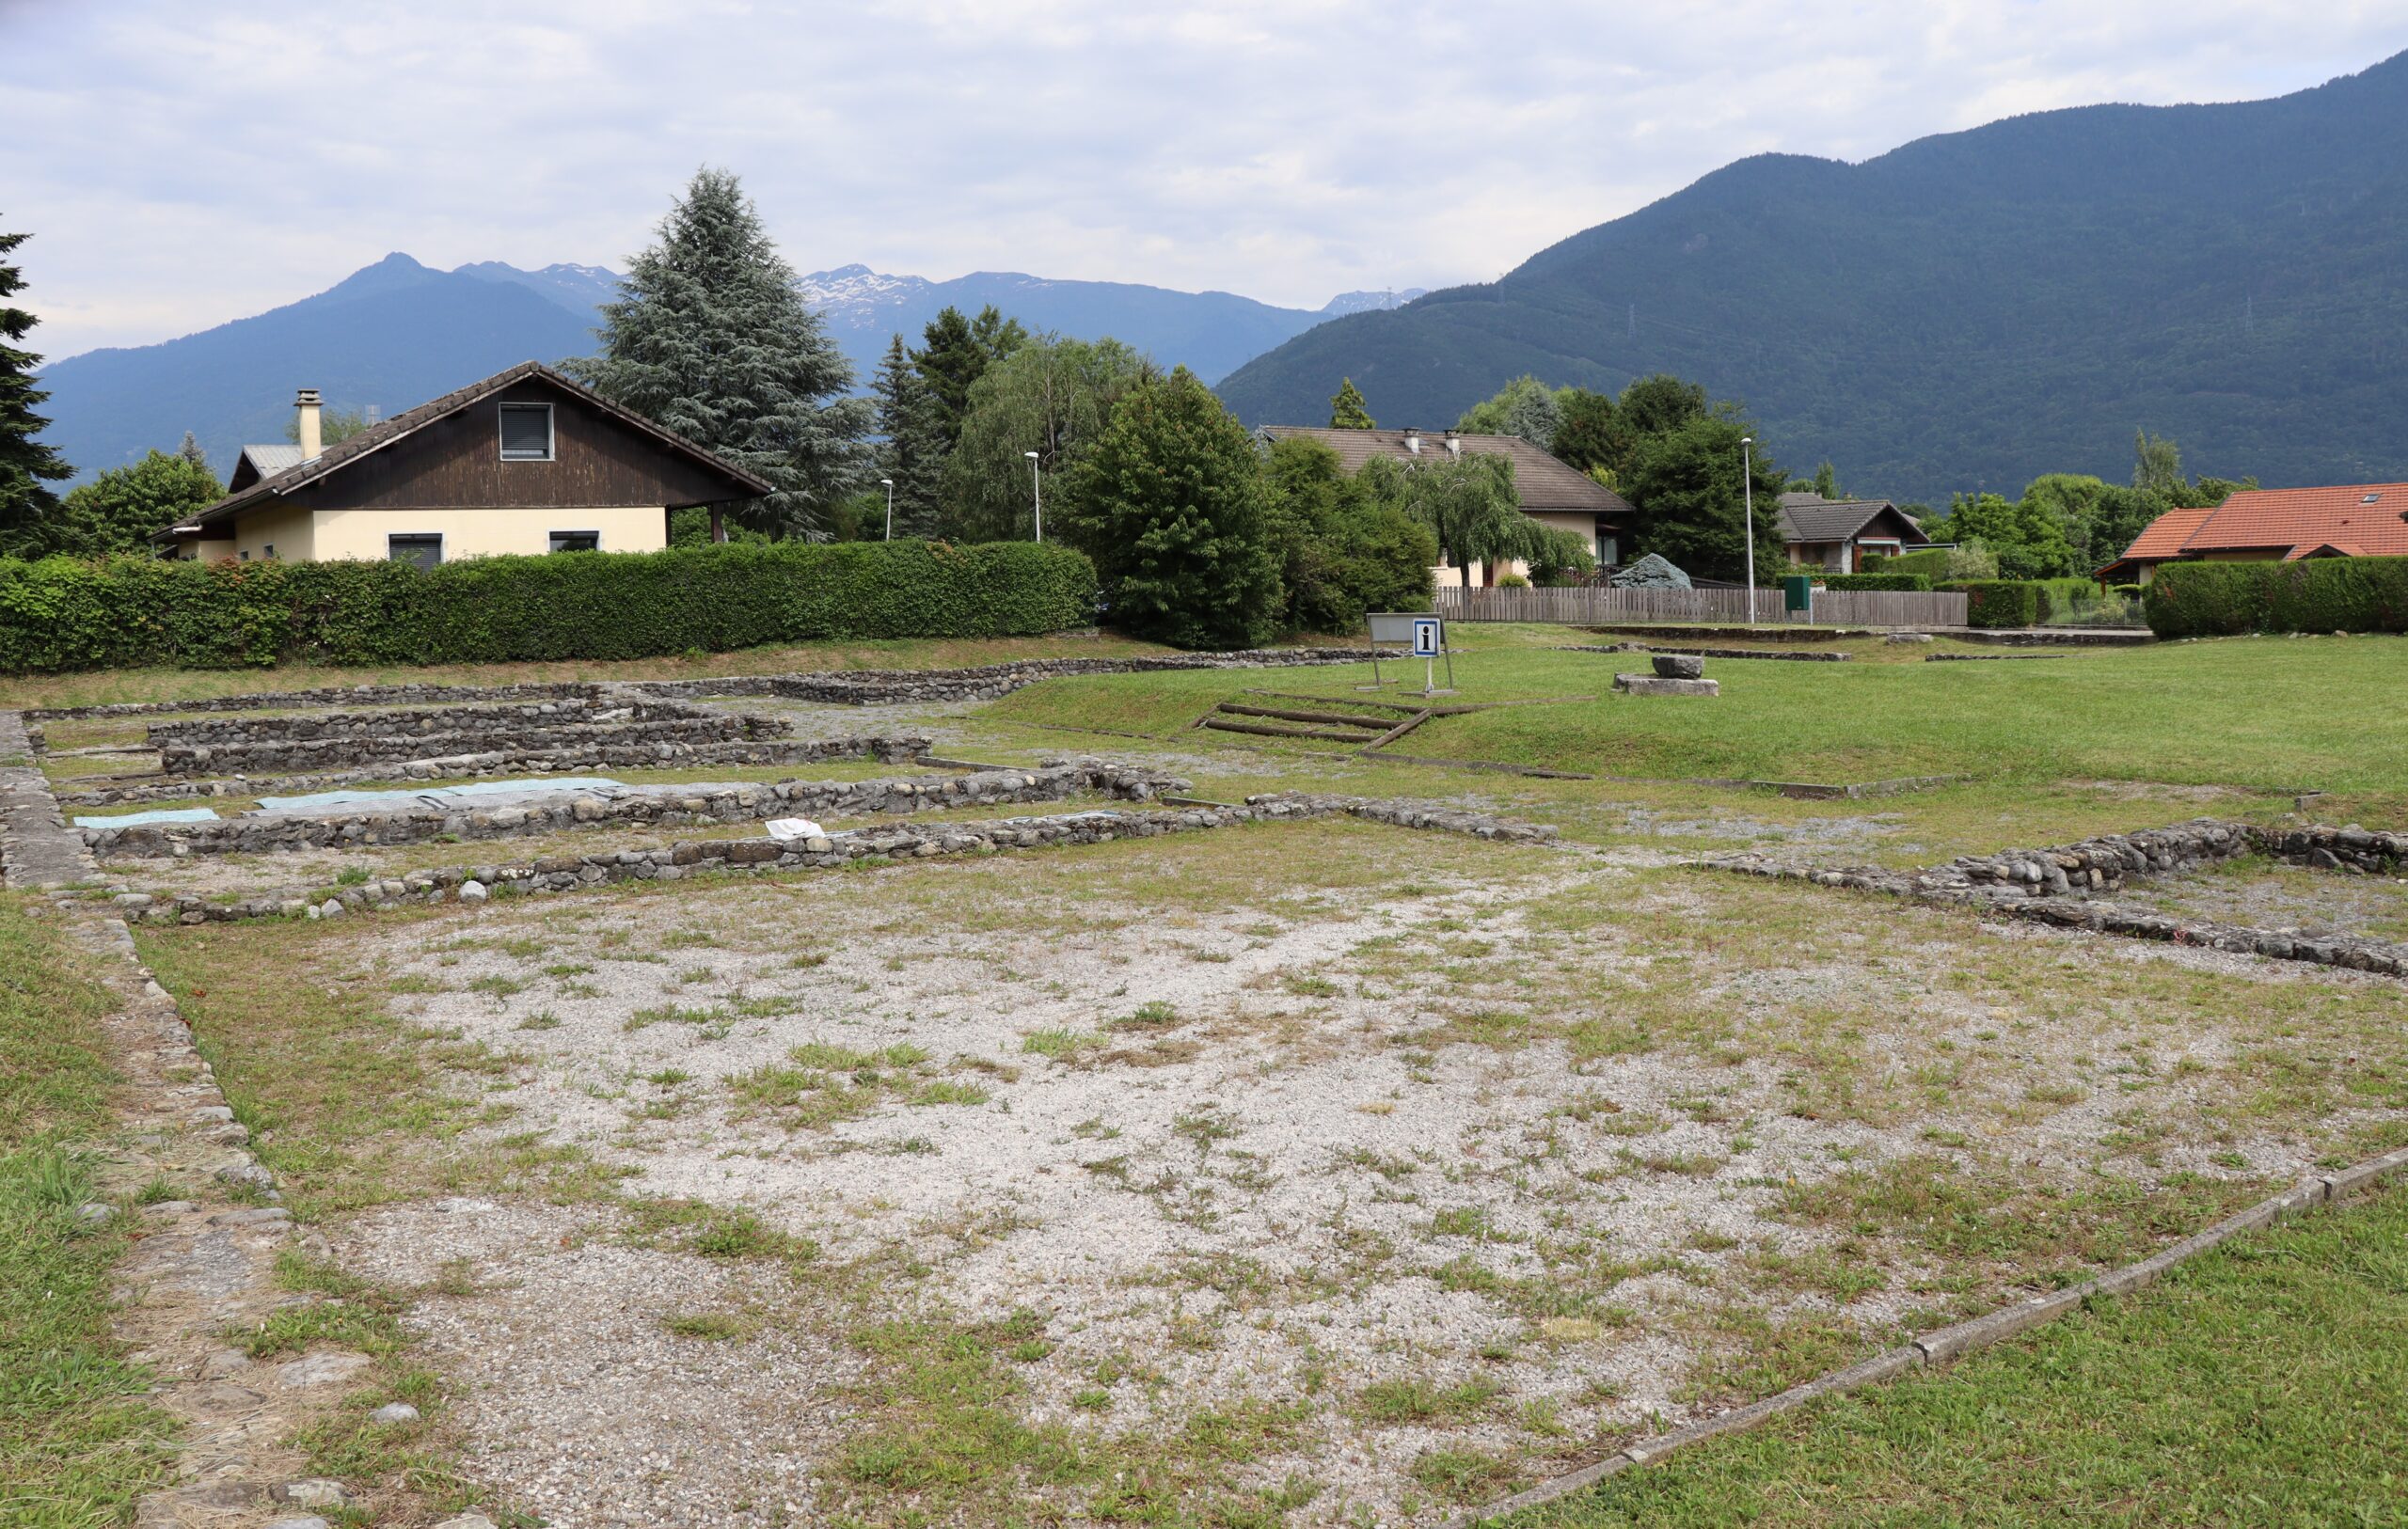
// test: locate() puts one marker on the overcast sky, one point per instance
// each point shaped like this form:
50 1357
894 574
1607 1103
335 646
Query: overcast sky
179 164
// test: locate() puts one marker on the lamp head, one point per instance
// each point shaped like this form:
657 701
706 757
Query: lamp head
1031 455
886 482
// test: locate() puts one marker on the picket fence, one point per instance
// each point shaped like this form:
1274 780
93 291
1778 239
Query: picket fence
1601 606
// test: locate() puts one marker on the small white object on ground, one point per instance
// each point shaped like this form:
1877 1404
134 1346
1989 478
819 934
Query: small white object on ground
784 829
318 1491
472 892
394 1413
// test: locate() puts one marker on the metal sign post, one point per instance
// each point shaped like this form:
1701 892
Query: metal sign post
1429 645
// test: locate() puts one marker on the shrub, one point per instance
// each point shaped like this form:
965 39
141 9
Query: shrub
1511 581
1907 582
2315 595
1932 565
2004 602
119 612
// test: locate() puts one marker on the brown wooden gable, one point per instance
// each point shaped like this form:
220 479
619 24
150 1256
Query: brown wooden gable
1893 523
455 464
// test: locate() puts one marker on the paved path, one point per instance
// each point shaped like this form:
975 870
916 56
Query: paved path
36 847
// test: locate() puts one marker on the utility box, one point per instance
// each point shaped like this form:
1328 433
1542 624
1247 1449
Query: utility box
1799 591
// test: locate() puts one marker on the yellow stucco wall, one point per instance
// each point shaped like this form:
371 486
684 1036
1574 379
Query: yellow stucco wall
485 533
278 526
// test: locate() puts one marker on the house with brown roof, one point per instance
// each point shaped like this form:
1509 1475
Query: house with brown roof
2273 524
1837 534
1552 492
524 462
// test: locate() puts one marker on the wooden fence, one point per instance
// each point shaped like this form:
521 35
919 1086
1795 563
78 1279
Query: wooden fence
1602 606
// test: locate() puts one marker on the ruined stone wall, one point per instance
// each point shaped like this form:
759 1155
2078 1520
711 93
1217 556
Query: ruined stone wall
668 739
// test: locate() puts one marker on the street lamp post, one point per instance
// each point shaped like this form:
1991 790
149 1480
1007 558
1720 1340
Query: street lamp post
888 483
1036 492
1748 492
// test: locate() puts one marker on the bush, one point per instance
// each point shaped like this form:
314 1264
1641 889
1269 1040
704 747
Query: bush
1932 566
2004 602
65 613
2315 595
1907 582
1511 581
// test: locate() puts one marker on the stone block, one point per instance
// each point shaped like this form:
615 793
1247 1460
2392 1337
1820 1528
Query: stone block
1679 666
1650 684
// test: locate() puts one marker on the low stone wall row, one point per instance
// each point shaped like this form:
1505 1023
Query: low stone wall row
331 695
1709 653
904 749
926 686
2066 886
422 722
672 737
880 845
270 834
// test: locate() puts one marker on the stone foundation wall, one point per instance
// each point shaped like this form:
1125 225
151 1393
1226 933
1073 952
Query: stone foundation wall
260 834
926 686
905 748
333 695
884 844
669 738
2069 886
419 721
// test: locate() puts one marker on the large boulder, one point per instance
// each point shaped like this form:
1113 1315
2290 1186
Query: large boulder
1650 572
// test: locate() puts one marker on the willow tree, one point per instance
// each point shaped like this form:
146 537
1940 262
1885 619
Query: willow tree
1468 503
1051 396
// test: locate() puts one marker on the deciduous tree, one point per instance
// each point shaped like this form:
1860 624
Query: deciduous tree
1686 487
117 511
1051 396
1340 553
711 339
1172 506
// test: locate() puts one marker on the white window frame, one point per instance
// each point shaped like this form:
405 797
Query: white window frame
437 537
548 535
552 441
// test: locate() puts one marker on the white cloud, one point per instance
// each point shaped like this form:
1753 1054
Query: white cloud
191 164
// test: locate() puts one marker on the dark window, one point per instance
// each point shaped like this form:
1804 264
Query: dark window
425 551
577 540
526 432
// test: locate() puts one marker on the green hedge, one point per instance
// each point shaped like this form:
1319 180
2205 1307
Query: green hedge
1931 565
1909 583
2315 595
2002 602
65 613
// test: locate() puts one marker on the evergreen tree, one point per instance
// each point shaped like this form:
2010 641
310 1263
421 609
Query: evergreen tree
189 448
1827 482
2157 466
1584 430
118 511
955 351
912 454
1686 485
711 339
28 510
1172 506
1525 406
1347 410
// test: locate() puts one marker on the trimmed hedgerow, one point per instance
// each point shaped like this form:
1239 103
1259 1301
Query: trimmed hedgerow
2315 595
2002 602
1909 583
1932 565
70 614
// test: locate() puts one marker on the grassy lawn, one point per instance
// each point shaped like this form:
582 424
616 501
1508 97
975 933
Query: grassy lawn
77 1443
2266 1383
2248 712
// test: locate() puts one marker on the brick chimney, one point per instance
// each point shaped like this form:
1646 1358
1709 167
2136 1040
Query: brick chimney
305 404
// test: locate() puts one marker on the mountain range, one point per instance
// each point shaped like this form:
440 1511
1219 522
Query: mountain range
397 333
1973 309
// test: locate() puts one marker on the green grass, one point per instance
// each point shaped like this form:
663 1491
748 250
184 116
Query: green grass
2264 1384
2251 712
78 1445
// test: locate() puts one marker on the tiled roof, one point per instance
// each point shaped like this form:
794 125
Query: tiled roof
376 437
2359 520
1811 518
2308 518
1543 480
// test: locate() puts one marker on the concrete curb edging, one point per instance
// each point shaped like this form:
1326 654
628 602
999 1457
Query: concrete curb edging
1950 1344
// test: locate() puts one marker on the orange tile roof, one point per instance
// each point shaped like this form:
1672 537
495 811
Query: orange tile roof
2163 537
2308 518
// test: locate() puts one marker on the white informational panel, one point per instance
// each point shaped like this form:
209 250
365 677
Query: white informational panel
1392 628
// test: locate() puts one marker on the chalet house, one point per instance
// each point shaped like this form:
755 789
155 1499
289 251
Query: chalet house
523 462
1553 491
2273 524
1837 534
